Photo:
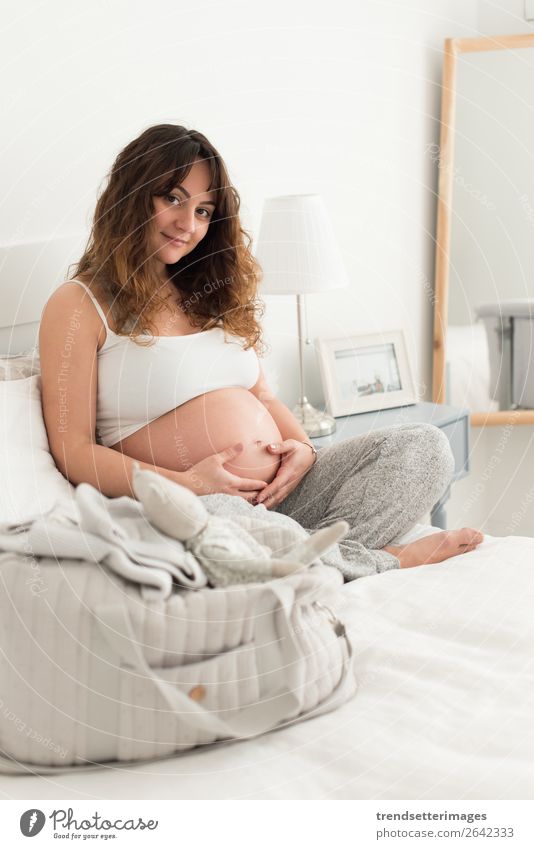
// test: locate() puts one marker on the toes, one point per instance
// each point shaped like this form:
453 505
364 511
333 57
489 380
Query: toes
470 536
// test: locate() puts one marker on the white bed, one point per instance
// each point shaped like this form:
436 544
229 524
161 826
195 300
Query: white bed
444 660
445 664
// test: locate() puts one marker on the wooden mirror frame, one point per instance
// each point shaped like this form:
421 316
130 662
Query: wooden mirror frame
454 46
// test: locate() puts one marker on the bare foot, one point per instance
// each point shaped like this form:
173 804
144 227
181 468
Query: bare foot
436 547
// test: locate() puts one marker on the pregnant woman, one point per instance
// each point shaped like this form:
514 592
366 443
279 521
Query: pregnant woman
150 352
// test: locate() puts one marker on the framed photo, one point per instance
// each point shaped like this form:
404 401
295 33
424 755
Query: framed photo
365 373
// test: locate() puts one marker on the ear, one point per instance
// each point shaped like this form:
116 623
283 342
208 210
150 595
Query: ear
281 567
171 507
308 550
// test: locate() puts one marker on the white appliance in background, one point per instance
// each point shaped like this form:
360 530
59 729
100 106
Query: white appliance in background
29 273
298 252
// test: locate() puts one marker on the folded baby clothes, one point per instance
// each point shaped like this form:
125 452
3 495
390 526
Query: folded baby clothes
114 532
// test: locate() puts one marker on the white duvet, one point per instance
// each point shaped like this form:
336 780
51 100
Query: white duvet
444 710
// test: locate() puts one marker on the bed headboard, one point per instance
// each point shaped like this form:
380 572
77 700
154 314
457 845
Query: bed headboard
29 273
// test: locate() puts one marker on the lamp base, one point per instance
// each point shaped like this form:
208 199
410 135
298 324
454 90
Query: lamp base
314 422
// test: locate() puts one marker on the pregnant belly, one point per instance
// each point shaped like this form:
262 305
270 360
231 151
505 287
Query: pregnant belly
205 425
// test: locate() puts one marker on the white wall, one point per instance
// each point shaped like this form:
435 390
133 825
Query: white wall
298 96
502 17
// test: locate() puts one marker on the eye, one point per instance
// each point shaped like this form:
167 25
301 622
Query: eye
207 211
170 198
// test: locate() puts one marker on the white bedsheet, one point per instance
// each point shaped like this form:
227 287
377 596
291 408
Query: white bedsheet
445 707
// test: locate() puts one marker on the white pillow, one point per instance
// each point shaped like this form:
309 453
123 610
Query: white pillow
30 481
20 365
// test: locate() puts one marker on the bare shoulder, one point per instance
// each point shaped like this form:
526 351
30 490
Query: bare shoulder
68 307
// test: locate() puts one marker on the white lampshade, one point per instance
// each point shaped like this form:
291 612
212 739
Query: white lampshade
297 248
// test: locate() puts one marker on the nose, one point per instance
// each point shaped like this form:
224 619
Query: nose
184 220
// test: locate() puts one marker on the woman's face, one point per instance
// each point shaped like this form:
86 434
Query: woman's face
181 219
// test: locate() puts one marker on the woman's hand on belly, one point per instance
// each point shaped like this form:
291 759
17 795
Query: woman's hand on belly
254 461
206 425
297 459
212 475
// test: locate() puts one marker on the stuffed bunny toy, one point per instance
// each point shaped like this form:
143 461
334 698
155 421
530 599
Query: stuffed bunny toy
227 552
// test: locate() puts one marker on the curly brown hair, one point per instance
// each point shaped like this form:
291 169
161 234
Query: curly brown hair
218 280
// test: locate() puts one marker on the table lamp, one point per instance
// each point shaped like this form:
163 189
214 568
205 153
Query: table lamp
298 253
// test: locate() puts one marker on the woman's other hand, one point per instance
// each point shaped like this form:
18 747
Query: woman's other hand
210 476
297 459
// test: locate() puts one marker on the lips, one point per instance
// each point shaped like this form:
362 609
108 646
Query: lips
177 242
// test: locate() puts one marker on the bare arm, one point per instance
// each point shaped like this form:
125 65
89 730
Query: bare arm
69 335
68 338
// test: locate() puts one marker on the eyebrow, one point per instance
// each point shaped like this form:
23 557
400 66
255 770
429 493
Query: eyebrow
186 193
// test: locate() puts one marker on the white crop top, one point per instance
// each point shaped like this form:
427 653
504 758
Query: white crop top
139 384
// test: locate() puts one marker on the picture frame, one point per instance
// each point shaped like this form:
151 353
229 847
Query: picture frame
361 374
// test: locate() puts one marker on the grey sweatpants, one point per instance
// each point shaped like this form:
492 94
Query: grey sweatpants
381 483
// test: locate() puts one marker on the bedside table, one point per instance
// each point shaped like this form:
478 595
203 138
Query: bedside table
453 421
